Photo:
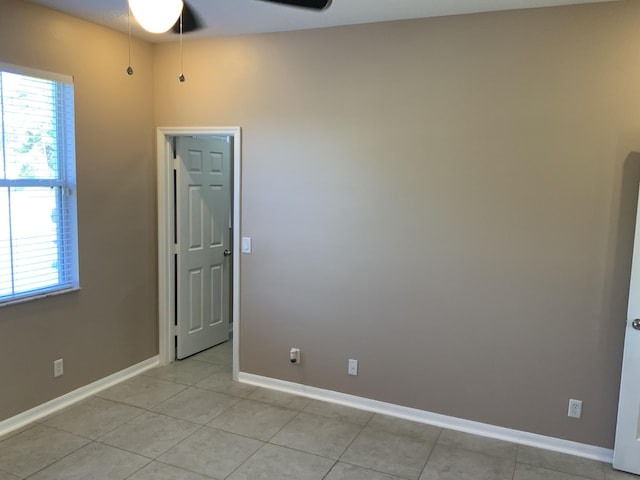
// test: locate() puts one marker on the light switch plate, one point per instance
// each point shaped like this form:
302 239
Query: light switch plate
246 244
353 367
58 368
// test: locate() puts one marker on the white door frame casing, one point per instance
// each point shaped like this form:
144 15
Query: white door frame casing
166 265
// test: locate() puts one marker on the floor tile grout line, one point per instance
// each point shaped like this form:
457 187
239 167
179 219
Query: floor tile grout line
155 372
157 459
383 431
43 421
562 472
304 410
433 447
363 427
186 386
208 424
324 417
182 441
354 439
246 460
183 468
330 470
303 451
143 410
119 402
63 457
69 433
34 425
155 404
183 384
283 427
125 450
20 430
122 424
515 465
264 444
477 452
225 392
395 475
102 442
191 421
141 468
316 401
223 431
549 468
148 410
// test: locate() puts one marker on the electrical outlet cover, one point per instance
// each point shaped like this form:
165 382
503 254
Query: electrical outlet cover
575 408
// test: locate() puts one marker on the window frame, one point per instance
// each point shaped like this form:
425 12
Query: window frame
64 183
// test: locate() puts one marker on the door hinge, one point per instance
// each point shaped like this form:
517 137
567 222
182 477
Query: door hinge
176 164
175 331
175 248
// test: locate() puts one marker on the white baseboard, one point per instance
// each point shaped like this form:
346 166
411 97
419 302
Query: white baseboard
52 406
444 421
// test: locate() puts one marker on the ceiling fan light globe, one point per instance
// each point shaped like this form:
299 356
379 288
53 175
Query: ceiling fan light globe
156 16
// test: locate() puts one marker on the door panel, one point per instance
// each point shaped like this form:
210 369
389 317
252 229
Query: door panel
195 218
196 312
217 289
219 229
203 219
626 454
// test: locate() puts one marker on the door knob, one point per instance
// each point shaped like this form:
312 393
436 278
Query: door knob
636 324
228 252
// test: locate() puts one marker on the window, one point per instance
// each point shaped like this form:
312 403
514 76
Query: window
38 227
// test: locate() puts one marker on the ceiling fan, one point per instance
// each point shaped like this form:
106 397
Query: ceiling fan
178 16
159 16
192 22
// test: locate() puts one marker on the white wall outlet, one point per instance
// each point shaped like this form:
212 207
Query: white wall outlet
352 369
294 356
575 408
58 368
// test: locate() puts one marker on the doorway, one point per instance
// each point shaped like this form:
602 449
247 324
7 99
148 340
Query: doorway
167 301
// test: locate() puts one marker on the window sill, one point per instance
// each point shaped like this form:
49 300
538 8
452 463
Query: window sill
39 296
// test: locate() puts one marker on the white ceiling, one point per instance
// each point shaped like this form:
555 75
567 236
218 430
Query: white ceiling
240 17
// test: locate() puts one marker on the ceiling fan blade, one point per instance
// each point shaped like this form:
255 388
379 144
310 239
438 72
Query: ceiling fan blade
190 20
310 4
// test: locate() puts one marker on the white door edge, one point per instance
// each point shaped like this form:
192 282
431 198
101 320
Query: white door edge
627 445
166 300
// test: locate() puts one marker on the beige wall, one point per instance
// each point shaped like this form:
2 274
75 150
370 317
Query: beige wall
112 322
450 201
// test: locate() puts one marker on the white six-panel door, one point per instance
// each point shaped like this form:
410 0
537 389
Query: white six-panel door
203 243
626 454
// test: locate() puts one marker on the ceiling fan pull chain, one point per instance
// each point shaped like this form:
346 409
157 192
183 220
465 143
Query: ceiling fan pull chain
181 77
129 68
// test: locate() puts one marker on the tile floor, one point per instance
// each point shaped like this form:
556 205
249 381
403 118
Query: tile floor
190 421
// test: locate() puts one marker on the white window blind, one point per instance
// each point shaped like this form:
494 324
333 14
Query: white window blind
38 226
